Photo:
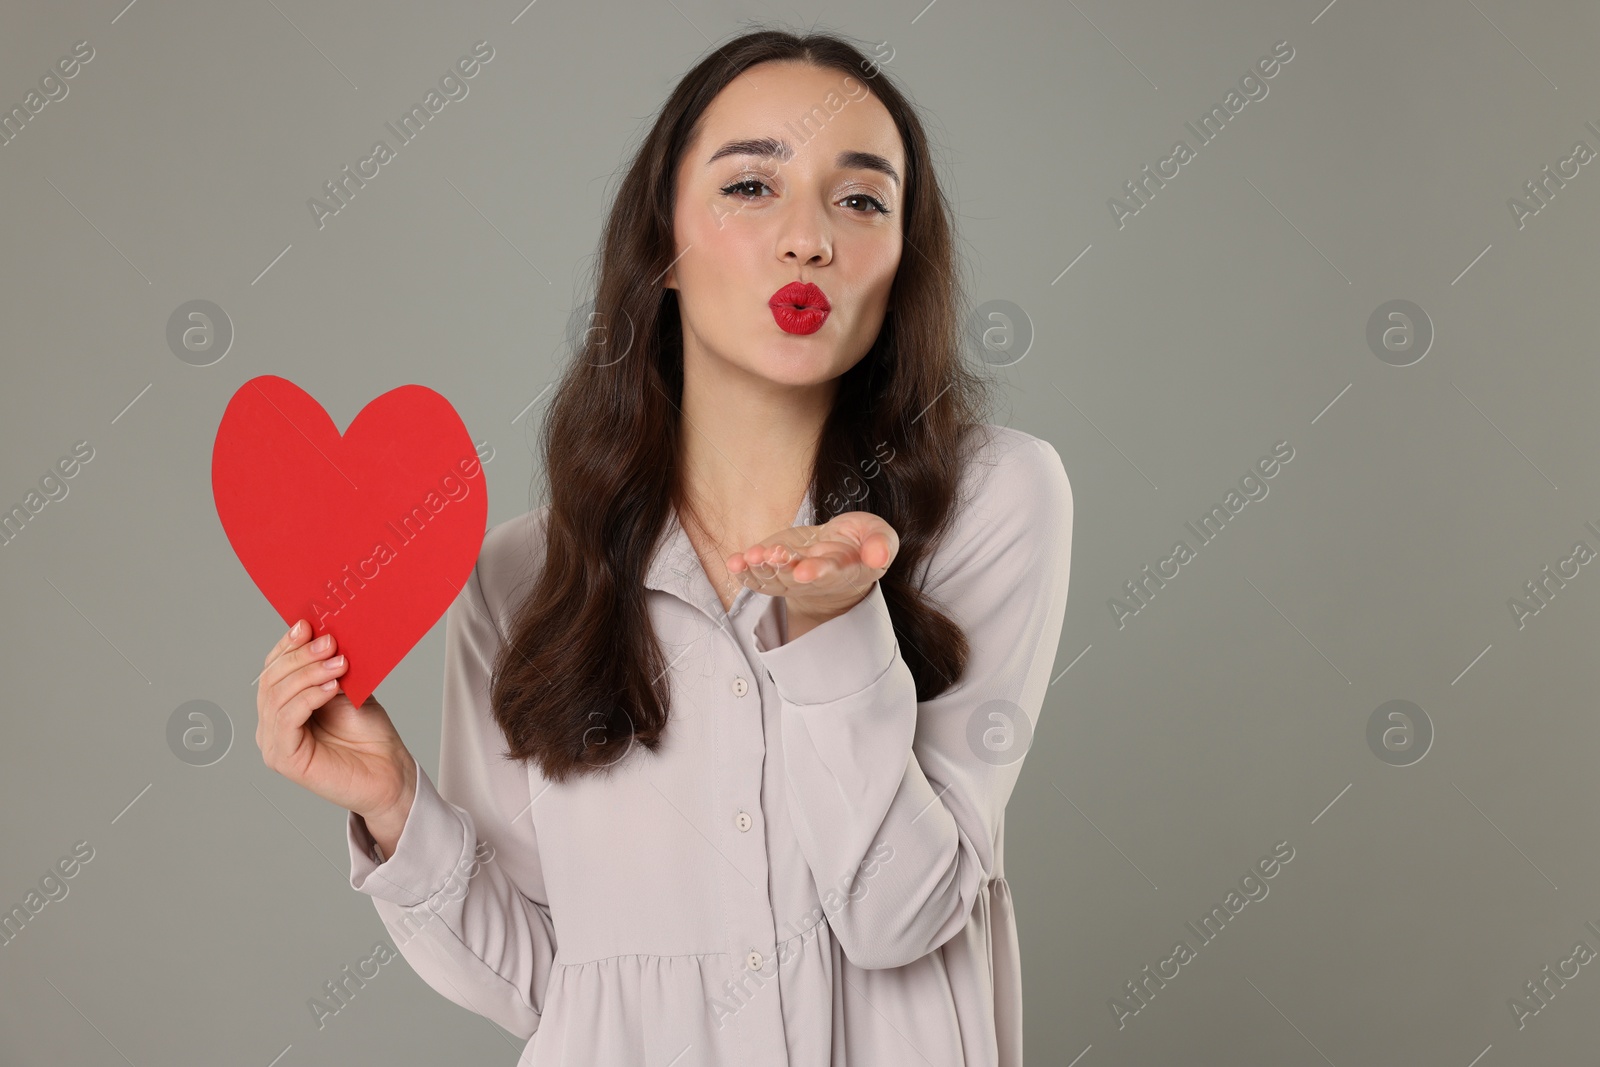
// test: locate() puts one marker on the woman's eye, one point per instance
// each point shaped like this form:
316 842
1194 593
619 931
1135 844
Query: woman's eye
741 189
877 205
734 189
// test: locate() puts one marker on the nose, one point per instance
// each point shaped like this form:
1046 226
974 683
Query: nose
805 241
819 258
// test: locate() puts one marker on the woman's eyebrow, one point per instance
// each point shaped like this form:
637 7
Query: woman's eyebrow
773 148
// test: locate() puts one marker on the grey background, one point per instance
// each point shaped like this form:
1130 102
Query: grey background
1229 314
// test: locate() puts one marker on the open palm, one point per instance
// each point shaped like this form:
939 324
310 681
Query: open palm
823 571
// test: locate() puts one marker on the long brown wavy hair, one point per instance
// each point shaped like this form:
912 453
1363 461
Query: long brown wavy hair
582 672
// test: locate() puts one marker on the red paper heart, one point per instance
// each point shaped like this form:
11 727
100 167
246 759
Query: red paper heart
369 535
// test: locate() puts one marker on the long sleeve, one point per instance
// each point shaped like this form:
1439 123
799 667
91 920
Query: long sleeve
915 794
470 916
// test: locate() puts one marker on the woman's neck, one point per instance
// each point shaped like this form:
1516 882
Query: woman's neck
745 451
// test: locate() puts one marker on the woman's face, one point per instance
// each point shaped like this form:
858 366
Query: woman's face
805 208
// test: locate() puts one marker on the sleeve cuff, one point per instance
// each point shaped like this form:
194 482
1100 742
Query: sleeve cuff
431 847
844 655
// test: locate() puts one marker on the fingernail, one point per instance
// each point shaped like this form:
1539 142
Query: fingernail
294 631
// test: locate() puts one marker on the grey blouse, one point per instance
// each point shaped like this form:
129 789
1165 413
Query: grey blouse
808 872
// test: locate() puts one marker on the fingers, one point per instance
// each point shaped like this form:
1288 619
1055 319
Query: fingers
764 563
300 670
778 554
316 682
296 634
877 547
293 651
780 571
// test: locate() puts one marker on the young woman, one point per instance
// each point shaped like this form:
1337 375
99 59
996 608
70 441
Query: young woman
730 723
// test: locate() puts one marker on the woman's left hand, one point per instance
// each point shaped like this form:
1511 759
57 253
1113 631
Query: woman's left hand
823 571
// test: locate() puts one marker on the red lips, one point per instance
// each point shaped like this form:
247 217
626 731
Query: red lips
800 307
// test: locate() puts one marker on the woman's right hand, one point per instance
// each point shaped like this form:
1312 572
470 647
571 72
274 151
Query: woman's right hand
309 732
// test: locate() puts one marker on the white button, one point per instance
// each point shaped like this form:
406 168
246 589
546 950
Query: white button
754 960
744 822
740 687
